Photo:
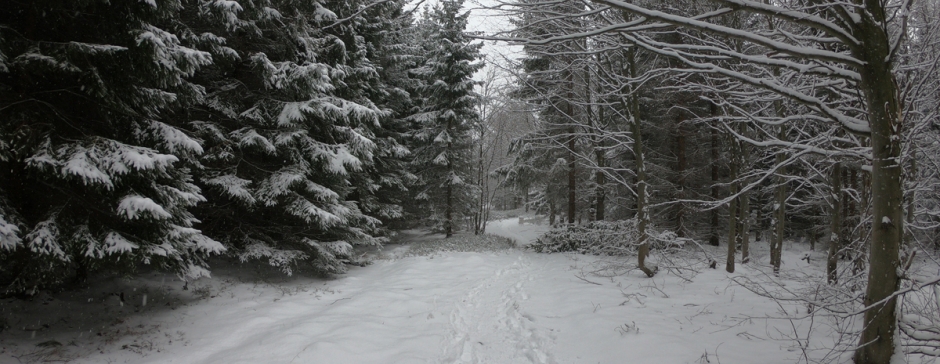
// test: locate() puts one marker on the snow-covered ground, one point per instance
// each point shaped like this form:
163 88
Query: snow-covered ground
493 306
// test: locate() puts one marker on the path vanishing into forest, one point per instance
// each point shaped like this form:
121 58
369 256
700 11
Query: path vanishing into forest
499 306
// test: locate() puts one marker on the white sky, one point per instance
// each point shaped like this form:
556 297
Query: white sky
490 22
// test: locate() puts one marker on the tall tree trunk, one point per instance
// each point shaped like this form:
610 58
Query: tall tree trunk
600 180
713 239
758 219
572 179
780 209
876 344
680 180
744 206
733 209
642 208
552 210
910 198
835 230
480 220
744 202
853 214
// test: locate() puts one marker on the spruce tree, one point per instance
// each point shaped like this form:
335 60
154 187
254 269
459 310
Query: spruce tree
380 53
447 114
290 135
94 160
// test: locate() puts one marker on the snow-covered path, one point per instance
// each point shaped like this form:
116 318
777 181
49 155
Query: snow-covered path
509 306
488 326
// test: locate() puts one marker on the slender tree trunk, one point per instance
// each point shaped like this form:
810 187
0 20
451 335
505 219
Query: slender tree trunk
780 210
572 179
853 214
910 199
601 180
448 212
733 210
552 214
680 181
713 239
744 202
745 208
835 230
525 196
642 210
479 224
758 219
572 176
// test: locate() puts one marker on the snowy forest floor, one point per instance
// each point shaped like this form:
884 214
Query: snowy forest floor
428 300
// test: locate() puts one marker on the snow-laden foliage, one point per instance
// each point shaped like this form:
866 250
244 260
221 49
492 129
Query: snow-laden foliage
135 207
9 235
283 259
10 238
160 132
293 136
98 162
446 114
95 160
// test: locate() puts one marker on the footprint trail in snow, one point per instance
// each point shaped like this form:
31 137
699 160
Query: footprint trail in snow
489 324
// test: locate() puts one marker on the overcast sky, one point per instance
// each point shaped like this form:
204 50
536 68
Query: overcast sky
490 22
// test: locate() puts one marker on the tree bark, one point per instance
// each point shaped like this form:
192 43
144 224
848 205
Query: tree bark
876 344
861 252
